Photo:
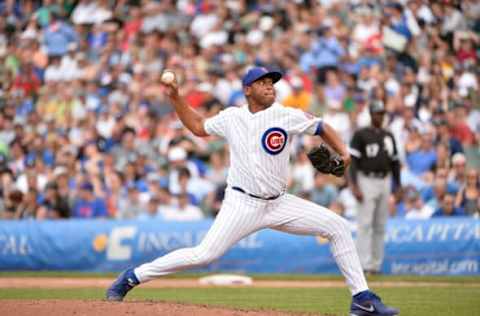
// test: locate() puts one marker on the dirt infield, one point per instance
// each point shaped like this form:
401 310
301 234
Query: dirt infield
56 283
130 308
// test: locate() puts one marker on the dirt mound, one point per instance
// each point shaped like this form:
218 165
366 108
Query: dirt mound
61 283
130 308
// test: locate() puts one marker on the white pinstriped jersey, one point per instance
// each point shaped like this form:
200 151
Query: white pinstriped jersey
260 144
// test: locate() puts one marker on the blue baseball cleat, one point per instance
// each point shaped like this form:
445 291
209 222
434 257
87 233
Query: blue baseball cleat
124 283
368 303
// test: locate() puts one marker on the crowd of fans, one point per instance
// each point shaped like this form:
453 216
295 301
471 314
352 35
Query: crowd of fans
86 130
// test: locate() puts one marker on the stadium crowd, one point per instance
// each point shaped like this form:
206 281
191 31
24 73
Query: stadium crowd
86 130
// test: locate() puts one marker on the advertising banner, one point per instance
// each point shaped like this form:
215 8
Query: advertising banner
433 247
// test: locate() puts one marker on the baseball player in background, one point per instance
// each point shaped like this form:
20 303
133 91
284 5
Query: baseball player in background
259 134
375 164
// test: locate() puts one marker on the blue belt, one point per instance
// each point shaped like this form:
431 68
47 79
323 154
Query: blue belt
255 196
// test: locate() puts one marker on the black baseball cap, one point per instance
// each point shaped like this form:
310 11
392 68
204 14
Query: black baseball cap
257 73
377 107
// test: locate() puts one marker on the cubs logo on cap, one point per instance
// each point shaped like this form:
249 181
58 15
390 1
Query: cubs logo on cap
274 140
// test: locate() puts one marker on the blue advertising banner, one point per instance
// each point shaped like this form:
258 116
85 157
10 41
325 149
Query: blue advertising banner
433 247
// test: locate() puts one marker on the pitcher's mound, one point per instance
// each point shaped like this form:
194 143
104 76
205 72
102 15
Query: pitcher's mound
103 308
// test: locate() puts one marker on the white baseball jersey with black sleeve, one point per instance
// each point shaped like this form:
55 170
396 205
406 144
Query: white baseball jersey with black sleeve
255 197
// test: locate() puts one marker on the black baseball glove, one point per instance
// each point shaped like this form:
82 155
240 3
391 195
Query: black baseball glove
325 161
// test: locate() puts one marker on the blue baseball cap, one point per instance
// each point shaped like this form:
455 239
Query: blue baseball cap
259 72
86 186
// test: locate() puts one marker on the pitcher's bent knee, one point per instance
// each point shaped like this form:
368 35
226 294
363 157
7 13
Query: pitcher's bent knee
338 226
341 222
203 256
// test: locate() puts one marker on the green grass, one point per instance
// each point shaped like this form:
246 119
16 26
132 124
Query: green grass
439 301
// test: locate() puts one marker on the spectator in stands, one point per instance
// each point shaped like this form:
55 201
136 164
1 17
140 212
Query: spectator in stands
443 156
414 206
464 45
325 52
12 203
151 210
154 186
334 91
29 207
131 207
18 156
444 136
27 81
439 190
126 150
468 197
441 173
447 207
422 158
182 210
114 191
217 173
30 178
87 205
58 35
178 159
53 205
184 177
459 126
299 97
165 197
64 183
323 193
458 171
302 173
405 129
366 32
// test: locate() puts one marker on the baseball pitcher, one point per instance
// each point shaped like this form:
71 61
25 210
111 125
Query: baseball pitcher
259 135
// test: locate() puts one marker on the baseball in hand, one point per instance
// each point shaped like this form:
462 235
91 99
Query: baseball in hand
168 77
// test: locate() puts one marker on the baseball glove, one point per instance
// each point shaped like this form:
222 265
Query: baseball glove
325 161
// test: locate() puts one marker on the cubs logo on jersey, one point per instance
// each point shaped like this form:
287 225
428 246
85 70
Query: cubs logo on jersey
274 140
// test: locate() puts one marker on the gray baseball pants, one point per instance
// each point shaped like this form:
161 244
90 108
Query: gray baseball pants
371 218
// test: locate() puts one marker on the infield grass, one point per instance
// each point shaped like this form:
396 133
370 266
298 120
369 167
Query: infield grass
457 299
256 276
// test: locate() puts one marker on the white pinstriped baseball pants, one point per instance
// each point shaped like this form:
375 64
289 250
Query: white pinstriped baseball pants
241 215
